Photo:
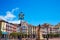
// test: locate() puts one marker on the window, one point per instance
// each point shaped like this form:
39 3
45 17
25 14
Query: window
24 31
24 27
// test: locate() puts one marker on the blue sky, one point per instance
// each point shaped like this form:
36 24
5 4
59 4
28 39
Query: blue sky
36 11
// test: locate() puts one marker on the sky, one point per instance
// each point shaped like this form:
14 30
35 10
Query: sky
35 11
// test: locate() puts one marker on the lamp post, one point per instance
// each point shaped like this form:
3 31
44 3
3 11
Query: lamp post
21 17
46 25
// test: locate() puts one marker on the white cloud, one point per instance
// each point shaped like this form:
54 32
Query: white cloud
14 9
17 21
2 17
10 16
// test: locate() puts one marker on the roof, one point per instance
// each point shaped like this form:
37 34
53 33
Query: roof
6 22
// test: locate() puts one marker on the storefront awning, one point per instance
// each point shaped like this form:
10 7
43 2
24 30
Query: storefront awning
4 32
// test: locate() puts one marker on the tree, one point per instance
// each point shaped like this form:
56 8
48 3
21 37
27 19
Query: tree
14 34
22 34
0 34
19 34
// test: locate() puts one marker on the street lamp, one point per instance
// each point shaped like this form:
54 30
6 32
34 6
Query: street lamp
46 25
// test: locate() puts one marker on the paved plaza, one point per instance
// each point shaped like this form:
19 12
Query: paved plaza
53 38
33 39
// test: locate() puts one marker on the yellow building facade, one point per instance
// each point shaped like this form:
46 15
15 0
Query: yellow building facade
3 26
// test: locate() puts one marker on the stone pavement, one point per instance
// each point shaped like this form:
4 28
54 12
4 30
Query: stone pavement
53 38
22 39
29 39
34 39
